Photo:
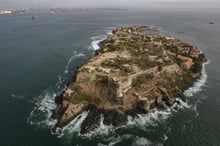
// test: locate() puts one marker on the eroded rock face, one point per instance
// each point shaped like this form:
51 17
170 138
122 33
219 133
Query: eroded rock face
131 74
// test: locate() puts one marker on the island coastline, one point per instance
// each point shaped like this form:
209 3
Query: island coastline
117 110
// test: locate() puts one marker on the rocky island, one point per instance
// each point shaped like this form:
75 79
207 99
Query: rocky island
132 73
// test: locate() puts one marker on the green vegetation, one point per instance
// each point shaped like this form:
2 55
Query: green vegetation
144 62
141 79
183 81
177 60
172 48
196 67
80 96
118 63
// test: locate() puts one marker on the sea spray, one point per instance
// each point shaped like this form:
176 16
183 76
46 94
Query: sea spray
197 86
40 115
75 55
95 42
74 125
101 130
115 139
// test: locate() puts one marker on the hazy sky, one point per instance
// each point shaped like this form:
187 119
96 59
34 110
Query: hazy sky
110 3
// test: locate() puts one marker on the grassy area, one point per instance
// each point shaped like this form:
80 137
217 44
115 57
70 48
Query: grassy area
141 79
80 96
118 63
172 48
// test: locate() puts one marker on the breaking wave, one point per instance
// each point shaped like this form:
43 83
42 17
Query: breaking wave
152 118
95 42
142 141
74 56
136 141
197 86
101 130
73 126
40 115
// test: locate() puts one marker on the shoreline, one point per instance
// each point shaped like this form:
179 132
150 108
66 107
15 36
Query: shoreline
109 114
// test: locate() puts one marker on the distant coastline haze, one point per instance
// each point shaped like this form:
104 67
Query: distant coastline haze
110 3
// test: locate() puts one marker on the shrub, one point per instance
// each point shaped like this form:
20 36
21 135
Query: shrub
160 68
172 48
196 67
141 79
79 97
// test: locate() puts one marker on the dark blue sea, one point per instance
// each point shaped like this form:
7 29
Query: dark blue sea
38 57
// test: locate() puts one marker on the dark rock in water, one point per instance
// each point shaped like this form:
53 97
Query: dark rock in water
131 113
54 129
161 106
59 99
58 112
178 102
92 121
153 106
182 96
120 119
109 116
175 108
114 117
140 107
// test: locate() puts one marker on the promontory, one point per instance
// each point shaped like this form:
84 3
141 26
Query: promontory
132 73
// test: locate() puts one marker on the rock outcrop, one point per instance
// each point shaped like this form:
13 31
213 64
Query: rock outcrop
130 74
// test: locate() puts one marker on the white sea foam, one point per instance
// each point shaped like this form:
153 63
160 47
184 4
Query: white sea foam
197 86
113 140
182 104
95 42
151 118
101 130
94 45
20 97
165 137
141 141
74 56
196 111
40 115
74 125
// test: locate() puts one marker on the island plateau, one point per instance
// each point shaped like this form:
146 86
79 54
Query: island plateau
132 73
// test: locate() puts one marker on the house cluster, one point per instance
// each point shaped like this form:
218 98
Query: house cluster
5 11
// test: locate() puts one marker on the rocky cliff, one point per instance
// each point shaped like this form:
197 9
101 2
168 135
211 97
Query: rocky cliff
132 73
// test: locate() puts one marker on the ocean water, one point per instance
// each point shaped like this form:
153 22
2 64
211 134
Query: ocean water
38 57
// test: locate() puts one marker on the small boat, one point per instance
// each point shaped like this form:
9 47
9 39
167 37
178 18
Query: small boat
211 22
33 17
